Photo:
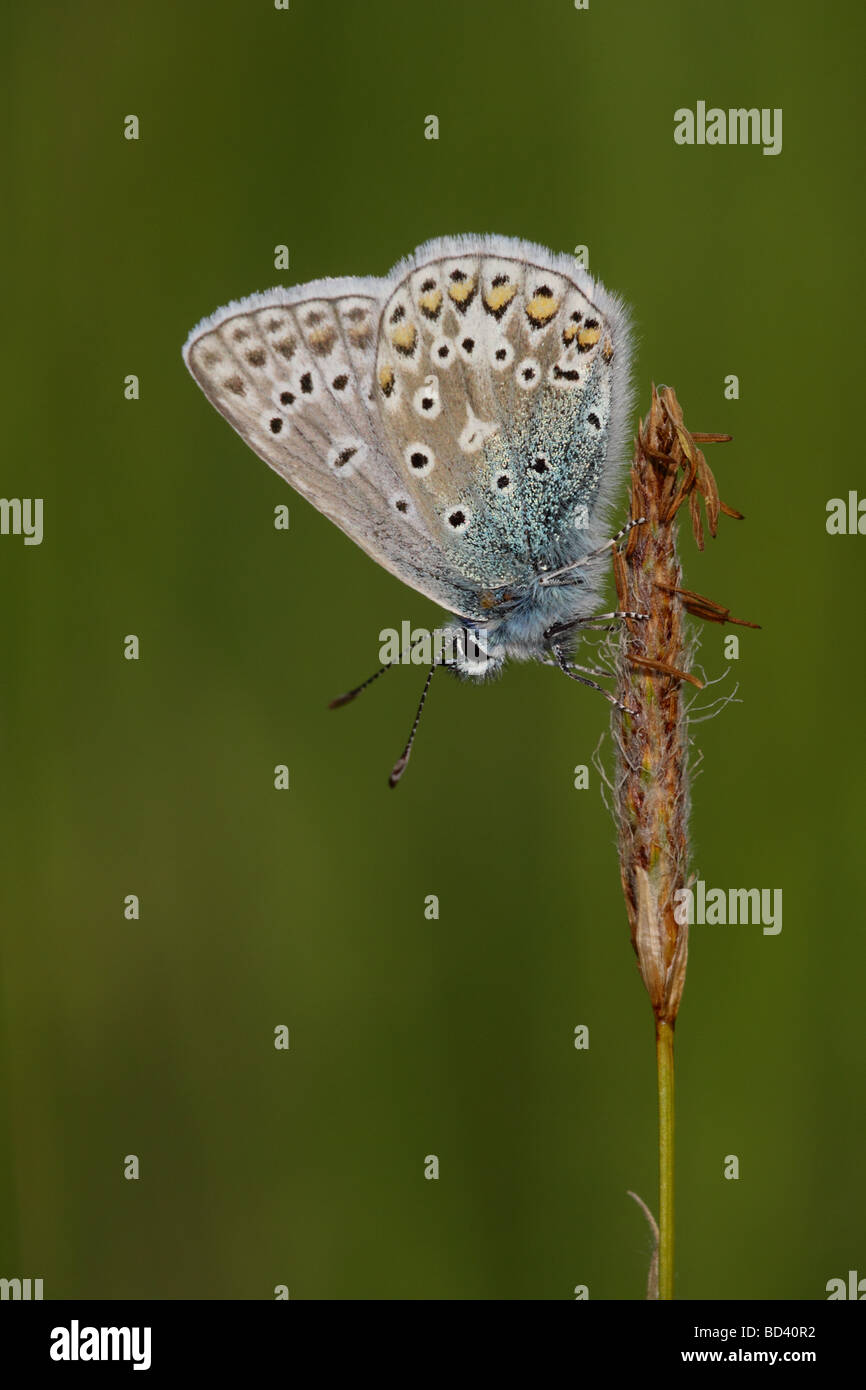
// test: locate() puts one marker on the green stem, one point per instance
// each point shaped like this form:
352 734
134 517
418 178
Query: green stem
665 1065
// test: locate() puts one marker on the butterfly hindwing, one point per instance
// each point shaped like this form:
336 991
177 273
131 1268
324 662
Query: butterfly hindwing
495 372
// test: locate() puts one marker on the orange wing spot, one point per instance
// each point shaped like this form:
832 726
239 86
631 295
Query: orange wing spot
462 290
404 337
607 350
541 309
430 302
321 340
386 380
588 337
498 296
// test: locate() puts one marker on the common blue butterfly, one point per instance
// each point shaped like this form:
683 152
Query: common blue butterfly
462 419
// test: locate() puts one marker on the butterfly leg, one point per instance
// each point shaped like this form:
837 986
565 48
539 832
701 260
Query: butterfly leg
554 575
571 670
587 670
560 629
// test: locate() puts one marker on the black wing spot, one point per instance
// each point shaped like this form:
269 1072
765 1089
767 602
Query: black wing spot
594 420
307 384
457 519
339 383
286 398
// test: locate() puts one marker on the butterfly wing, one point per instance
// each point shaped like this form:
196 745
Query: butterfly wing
501 375
292 372
456 420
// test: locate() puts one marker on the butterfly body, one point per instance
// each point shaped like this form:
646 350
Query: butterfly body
462 419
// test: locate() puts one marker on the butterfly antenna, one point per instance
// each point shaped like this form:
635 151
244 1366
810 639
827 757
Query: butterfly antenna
350 694
400 765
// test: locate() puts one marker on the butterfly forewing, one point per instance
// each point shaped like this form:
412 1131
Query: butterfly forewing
295 379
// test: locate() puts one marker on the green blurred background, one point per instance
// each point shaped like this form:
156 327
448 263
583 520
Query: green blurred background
306 907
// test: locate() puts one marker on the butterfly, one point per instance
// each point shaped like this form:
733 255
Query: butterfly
462 419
